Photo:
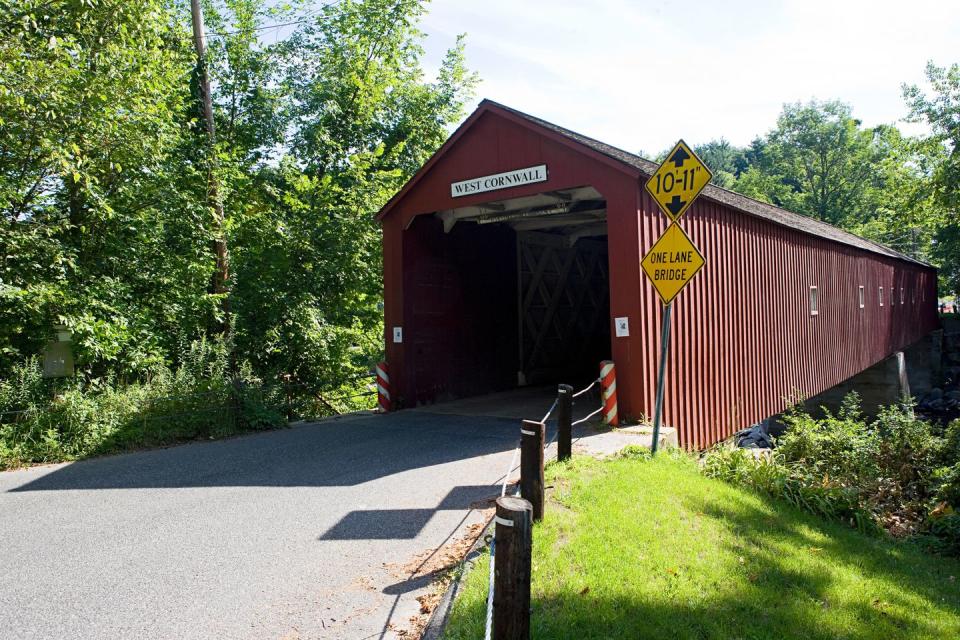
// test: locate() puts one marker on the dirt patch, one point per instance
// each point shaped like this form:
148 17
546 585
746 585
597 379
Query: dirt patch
433 561
437 566
363 583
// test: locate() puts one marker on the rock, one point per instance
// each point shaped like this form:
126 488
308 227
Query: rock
953 395
934 394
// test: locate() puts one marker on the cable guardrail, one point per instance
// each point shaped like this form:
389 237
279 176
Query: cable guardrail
550 410
510 469
587 388
489 619
506 480
585 418
552 438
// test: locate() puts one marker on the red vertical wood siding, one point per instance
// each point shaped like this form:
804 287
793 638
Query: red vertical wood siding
743 339
490 145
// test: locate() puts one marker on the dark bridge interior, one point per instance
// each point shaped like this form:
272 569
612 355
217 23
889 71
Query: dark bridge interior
506 294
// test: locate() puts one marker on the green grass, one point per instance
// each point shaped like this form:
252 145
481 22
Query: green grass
635 548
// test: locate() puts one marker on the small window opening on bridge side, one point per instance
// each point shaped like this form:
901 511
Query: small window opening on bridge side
881 296
901 295
814 301
860 296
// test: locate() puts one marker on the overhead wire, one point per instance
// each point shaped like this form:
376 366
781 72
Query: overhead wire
301 20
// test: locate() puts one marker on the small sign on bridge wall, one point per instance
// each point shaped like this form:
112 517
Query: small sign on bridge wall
622 327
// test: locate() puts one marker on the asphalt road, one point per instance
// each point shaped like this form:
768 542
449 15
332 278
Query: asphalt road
276 535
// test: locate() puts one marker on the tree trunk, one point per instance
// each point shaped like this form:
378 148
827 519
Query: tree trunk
219 283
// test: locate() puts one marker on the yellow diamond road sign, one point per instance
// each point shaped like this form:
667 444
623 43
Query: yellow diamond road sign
672 262
678 180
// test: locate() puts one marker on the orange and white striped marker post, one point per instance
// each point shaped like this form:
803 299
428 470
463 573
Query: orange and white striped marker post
608 391
383 388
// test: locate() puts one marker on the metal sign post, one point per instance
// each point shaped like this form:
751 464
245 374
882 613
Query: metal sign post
661 374
673 260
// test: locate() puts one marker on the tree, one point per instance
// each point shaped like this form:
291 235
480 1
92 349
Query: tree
726 161
816 161
94 195
104 167
941 111
315 132
900 210
822 162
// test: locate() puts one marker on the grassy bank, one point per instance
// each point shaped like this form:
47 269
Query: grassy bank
634 548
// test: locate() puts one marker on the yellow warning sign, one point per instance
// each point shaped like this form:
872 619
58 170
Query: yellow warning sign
672 262
678 180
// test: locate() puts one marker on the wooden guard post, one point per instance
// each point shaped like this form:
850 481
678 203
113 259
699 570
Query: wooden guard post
564 421
511 587
531 465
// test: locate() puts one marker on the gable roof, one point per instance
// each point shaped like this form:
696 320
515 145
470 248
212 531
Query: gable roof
769 212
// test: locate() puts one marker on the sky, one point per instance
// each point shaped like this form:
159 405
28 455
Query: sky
641 74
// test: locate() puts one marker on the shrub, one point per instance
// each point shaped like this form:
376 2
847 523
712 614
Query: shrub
839 447
55 420
791 482
893 473
943 534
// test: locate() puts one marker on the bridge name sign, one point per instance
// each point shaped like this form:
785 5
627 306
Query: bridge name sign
505 180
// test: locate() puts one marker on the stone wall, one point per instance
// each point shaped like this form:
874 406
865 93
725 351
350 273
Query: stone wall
942 401
917 372
910 373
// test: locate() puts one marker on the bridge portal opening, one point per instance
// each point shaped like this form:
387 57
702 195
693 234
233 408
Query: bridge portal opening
505 294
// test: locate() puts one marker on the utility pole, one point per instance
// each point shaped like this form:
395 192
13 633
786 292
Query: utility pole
221 273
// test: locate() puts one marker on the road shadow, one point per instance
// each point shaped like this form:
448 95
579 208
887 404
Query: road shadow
399 524
332 453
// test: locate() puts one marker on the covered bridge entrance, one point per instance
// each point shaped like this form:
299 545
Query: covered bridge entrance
509 255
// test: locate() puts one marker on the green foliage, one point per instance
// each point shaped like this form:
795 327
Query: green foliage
103 178
894 473
44 421
820 161
100 231
943 535
305 247
837 447
793 483
633 547
726 161
940 110
948 476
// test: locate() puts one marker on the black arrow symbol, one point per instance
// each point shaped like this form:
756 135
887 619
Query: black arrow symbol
676 205
679 157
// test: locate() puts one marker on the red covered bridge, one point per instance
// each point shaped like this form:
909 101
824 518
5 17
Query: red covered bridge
509 255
